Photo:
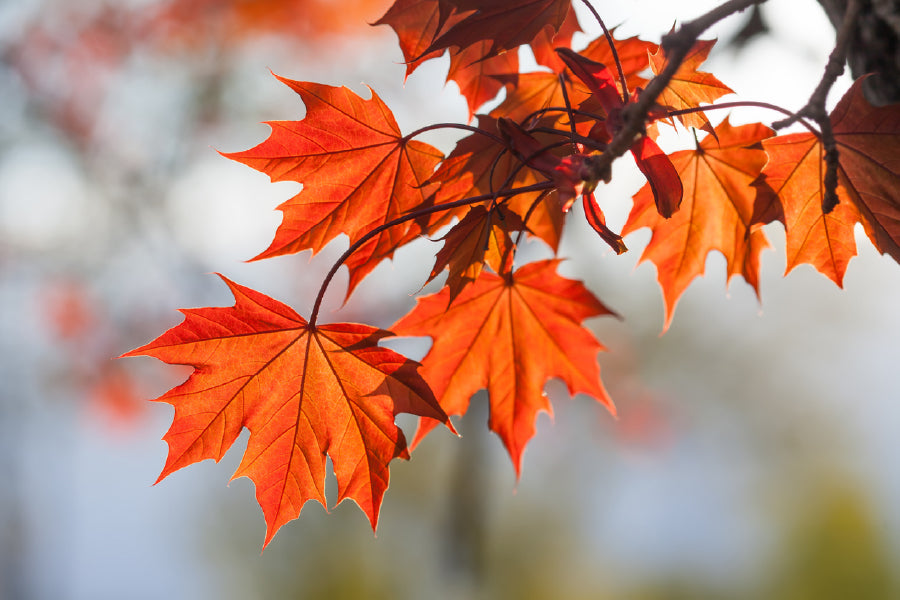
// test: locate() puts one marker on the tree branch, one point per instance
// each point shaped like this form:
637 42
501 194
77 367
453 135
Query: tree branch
676 45
815 106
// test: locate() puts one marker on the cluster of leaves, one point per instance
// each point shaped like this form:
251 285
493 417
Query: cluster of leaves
307 390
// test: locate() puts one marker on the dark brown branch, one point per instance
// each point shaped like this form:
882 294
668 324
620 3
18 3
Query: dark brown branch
815 106
676 45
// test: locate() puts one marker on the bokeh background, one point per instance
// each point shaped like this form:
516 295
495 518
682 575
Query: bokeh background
755 454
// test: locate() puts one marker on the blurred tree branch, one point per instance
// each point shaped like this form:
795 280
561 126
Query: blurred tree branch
875 46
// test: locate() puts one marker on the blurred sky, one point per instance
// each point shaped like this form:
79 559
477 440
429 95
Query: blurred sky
745 431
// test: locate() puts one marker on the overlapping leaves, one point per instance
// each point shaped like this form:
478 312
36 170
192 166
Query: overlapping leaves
509 335
306 391
716 213
868 140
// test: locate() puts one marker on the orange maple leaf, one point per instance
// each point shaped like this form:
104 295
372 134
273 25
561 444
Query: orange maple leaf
357 172
416 23
303 392
715 213
549 38
795 172
633 55
476 75
868 140
689 88
481 237
474 70
509 335
529 93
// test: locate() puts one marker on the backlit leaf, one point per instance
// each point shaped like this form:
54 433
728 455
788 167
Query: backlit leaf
304 392
795 172
689 88
507 24
715 213
357 172
509 335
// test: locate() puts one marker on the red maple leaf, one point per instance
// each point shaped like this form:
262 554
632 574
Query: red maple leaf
507 24
417 23
633 56
303 391
509 335
868 139
479 165
651 160
479 78
473 68
357 172
548 39
716 213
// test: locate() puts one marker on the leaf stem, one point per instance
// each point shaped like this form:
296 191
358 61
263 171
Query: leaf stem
470 128
612 47
562 109
743 104
544 185
565 95
676 45
527 216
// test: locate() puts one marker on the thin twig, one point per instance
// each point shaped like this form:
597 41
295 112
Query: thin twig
742 104
537 187
815 107
565 94
612 47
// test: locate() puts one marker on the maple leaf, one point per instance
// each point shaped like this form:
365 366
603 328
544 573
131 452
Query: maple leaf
529 93
506 23
416 23
509 335
716 213
357 172
548 39
476 75
482 237
633 55
651 160
479 165
303 391
568 174
689 88
868 139
532 92
795 172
